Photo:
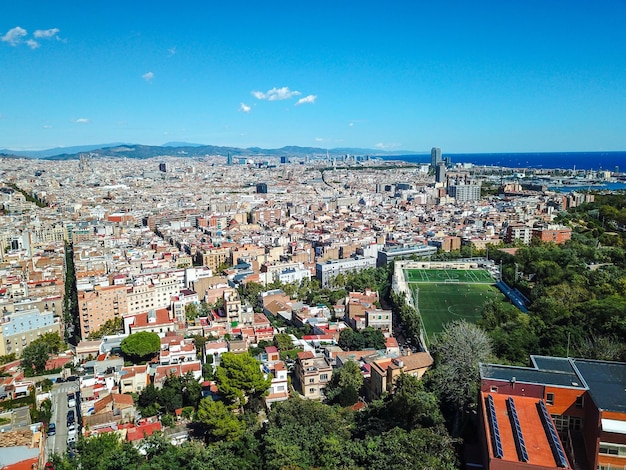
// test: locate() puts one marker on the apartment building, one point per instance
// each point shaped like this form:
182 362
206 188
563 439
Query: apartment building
99 305
133 379
552 233
324 272
385 371
19 329
312 373
213 258
154 321
279 389
232 306
155 293
379 319
516 232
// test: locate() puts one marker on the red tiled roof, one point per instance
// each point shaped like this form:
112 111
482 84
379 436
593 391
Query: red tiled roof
391 342
305 355
56 363
142 431
141 319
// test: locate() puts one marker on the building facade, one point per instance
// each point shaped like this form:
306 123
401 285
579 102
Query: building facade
19 329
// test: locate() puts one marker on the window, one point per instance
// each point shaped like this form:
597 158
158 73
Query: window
561 422
608 448
579 401
494 389
311 390
311 381
324 377
550 398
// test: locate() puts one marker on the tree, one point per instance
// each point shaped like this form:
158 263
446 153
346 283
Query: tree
141 346
191 312
350 340
199 341
104 452
411 406
46 385
346 338
110 327
148 401
283 341
457 351
220 422
399 449
53 341
239 376
8 358
345 384
373 338
604 348
296 431
250 292
34 358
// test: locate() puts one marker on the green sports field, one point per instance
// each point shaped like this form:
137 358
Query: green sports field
448 275
447 295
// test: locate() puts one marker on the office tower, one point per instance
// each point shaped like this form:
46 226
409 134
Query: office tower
440 172
229 160
435 157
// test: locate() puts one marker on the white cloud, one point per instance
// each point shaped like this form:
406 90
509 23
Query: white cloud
319 139
47 126
81 121
32 43
244 107
46 33
14 36
172 51
148 76
306 99
383 146
351 124
276 94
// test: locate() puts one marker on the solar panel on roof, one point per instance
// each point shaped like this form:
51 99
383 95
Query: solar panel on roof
553 437
520 445
495 430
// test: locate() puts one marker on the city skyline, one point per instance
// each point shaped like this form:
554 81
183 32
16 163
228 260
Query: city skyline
479 77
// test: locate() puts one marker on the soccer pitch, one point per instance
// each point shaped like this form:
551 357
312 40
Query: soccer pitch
448 275
446 295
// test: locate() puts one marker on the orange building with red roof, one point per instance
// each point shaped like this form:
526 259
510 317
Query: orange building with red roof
515 434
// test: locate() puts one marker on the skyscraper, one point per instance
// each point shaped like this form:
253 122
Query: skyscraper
440 172
435 157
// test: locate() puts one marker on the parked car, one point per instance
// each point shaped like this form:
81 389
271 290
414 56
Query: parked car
71 417
52 429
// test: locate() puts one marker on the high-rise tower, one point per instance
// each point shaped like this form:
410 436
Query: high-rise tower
435 157
440 172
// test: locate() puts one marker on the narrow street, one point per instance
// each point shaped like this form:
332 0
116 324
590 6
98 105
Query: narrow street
58 443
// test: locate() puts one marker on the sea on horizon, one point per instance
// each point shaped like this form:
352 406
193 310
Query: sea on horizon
553 160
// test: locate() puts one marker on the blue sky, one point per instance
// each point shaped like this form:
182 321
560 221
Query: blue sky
482 76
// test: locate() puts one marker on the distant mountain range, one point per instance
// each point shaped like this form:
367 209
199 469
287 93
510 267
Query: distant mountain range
184 149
